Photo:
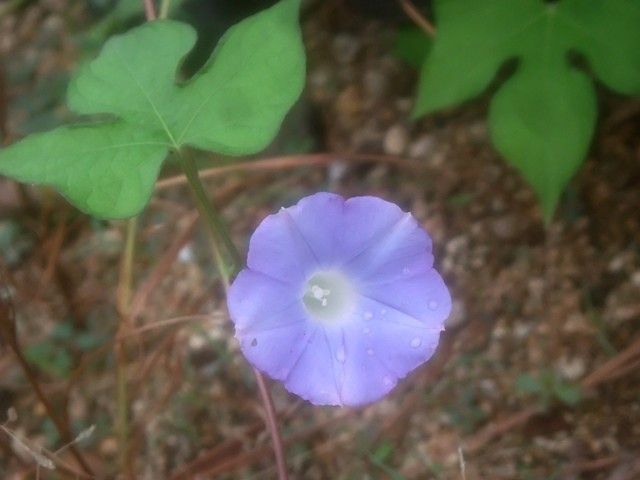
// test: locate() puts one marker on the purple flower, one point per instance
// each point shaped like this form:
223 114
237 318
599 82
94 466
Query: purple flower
339 299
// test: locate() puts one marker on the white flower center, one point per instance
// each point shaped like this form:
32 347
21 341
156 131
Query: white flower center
328 296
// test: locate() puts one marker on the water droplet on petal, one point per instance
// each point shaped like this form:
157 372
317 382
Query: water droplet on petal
366 330
254 342
383 312
370 352
387 381
368 315
416 342
406 270
433 305
341 356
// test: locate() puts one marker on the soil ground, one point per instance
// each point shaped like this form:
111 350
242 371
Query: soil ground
537 375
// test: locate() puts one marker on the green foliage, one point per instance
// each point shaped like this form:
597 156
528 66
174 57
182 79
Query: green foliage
14 242
381 457
548 386
543 117
234 106
464 410
412 45
53 355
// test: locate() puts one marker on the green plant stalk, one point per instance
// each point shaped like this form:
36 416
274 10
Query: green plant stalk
219 233
124 303
164 9
215 224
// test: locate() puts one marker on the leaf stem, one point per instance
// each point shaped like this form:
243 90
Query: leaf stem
215 224
126 266
124 305
165 6
219 232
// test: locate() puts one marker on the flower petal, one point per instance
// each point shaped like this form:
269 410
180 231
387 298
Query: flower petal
382 345
316 377
277 248
366 219
398 341
424 297
271 324
276 351
320 220
379 238
366 378
368 270
257 301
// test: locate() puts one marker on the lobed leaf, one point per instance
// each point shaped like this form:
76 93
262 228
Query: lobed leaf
131 82
607 32
472 42
234 105
542 120
543 117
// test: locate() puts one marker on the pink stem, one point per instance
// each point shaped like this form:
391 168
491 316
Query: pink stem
272 425
150 10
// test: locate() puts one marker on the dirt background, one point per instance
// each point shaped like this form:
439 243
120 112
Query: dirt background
538 372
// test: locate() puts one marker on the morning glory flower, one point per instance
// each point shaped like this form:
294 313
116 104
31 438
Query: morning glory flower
339 299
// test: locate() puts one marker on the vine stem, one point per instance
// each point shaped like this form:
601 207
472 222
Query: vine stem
150 10
219 233
124 308
125 282
214 221
164 9
272 425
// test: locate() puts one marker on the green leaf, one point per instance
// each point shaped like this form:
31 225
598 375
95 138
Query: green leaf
527 383
50 357
237 103
542 121
383 451
129 81
543 117
568 394
107 170
234 105
472 42
607 32
412 45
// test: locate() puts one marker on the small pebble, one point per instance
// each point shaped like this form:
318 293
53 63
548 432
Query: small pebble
458 315
345 48
395 140
422 147
375 84
571 368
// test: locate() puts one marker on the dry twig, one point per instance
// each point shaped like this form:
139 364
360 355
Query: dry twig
420 20
293 161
